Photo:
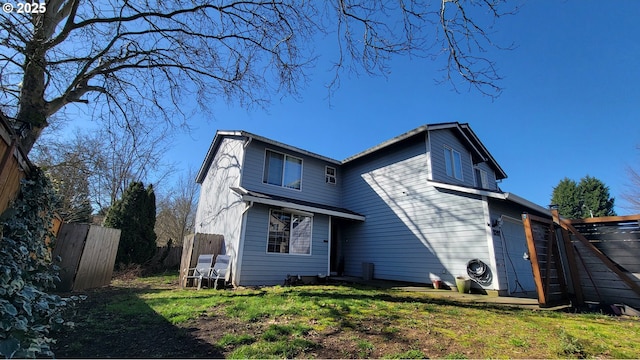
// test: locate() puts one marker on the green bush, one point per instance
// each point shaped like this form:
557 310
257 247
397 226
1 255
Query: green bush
135 216
27 311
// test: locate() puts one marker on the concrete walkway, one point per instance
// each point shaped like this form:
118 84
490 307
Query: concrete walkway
452 295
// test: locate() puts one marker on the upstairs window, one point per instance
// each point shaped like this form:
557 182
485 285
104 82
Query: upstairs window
282 170
482 179
330 175
289 233
453 163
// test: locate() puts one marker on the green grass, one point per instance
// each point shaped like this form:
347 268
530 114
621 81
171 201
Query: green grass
355 321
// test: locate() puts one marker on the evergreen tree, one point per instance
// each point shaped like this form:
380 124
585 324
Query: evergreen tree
594 198
135 215
565 196
590 197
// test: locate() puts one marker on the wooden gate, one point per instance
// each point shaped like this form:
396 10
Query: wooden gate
586 260
546 263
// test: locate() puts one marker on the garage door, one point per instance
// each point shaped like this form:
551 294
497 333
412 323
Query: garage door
519 273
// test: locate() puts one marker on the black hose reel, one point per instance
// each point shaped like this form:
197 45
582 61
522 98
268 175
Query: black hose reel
479 272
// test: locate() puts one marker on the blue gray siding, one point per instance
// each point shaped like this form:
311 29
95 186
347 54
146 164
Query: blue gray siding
439 139
411 228
262 268
313 188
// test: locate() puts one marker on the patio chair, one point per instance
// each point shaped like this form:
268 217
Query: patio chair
201 271
220 270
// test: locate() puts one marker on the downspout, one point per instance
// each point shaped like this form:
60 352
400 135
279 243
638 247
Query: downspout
243 231
247 142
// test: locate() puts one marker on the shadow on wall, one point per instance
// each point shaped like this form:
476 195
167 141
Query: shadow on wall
412 229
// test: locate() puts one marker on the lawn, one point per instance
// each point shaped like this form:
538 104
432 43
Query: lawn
153 317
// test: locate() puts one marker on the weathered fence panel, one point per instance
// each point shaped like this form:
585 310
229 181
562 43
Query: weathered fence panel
607 249
598 255
98 258
87 253
195 245
13 165
68 249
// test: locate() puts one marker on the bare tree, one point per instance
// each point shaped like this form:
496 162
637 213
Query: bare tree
69 176
632 192
108 158
137 60
177 209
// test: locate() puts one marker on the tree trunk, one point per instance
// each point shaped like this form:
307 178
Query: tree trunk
32 114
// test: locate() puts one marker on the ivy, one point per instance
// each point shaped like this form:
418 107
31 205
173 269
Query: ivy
28 312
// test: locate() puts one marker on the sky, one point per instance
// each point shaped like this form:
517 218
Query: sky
570 105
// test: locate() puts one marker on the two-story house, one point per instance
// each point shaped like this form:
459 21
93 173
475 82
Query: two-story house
424 204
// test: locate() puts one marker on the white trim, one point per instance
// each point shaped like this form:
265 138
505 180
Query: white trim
467 190
330 240
429 153
235 278
495 283
284 166
327 176
492 194
313 209
290 232
450 150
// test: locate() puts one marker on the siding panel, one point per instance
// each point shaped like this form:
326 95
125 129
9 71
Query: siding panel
313 188
412 229
262 268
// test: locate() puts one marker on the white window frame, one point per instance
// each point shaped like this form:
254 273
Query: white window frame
483 182
450 157
285 157
291 231
330 178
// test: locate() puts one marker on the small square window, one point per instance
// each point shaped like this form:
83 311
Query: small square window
330 175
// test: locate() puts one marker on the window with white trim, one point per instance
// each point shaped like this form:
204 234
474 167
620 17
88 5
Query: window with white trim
282 170
482 179
453 163
330 175
289 233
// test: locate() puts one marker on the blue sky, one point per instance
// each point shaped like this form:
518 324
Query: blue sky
570 105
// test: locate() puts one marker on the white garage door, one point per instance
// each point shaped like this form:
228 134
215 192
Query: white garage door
519 273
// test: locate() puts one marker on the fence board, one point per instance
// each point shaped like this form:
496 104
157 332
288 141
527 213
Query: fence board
98 258
68 249
196 245
13 165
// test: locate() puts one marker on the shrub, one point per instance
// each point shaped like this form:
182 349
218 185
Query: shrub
27 311
135 215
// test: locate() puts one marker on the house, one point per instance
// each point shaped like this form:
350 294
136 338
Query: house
423 205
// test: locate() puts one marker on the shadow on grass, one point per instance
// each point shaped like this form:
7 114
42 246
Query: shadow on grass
116 323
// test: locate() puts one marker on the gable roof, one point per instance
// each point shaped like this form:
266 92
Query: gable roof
478 151
220 134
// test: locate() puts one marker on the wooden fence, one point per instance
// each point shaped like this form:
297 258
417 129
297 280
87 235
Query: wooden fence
195 245
172 259
13 165
87 253
585 261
